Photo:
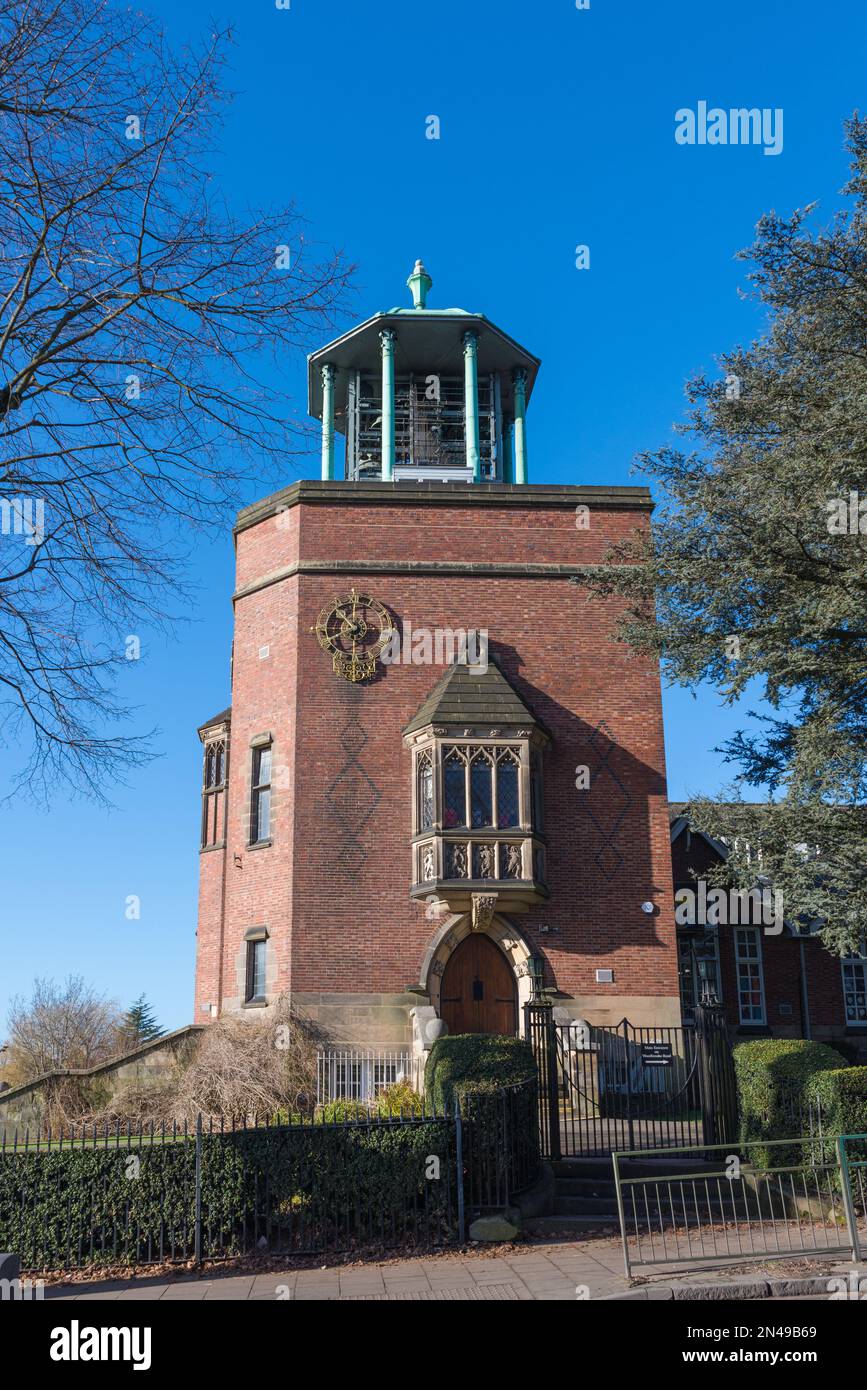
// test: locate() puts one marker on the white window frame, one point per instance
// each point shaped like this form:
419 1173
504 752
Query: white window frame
759 963
853 962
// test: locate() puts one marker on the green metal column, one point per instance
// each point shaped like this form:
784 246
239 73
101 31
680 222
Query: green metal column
471 404
327 422
520 381
508 461
386 338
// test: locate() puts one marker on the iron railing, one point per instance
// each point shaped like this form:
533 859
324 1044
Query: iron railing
501 1144
110 1196
609 1087
742 1205
346 1073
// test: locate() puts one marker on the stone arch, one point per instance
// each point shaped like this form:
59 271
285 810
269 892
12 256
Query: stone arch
452 931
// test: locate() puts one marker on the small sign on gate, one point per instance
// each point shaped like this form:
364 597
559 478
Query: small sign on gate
656 1054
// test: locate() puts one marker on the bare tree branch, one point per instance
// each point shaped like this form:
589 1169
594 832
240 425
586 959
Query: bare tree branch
136 313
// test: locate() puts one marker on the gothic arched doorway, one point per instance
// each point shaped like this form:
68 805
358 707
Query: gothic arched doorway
478 992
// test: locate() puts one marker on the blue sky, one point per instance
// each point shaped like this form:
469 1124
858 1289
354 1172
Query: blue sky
557 129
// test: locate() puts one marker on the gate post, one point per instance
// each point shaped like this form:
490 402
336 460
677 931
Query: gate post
716 1071
627 1063
542 1033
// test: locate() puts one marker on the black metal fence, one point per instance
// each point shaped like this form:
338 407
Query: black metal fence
501 1144
114 1197
624 1087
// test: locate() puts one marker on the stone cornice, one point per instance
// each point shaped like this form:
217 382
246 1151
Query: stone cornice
543 495
467 569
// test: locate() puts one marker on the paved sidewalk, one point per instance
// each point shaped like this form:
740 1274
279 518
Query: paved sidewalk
556 1270
552 1271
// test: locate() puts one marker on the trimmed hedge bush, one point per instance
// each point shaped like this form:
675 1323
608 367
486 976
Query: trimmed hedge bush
299 1187
475 1062
842 1093
773 1080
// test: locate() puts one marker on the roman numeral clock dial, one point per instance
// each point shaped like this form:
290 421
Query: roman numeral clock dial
354 630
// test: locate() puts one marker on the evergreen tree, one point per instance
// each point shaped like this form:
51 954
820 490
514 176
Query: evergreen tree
139 1024
757 565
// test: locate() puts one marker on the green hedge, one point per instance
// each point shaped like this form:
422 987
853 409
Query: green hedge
297 1187
842 1093
475 1062
773 1081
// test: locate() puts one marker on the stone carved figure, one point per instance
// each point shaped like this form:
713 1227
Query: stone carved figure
458 867
513 861
428 863
486 861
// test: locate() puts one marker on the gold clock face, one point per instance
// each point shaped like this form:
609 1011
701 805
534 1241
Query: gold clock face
354 630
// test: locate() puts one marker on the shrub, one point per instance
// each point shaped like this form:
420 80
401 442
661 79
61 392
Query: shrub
475 1062
298 1187
773 1078
399 1099
339 1112
842 1093
250 1066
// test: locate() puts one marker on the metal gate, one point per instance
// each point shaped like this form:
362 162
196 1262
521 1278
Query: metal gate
620 1087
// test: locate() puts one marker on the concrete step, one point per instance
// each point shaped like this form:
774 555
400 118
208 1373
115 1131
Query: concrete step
584 1187
585 1206
569 1225
583 1168
631 1168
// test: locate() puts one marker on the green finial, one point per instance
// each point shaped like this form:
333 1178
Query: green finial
419 282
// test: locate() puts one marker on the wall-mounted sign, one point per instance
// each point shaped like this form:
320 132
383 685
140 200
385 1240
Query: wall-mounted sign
656 1054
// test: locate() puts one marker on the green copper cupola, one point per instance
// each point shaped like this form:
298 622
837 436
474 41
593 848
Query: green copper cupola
421 394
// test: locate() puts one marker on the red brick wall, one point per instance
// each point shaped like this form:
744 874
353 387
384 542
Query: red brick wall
351 927
781 961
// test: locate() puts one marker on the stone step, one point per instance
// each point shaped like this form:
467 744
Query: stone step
584 1187
585 1206
632 1168
569 1225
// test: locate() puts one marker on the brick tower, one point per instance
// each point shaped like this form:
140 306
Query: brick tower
439 776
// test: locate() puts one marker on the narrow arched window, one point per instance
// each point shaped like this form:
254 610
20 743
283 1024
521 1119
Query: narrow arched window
213 789
454 790
425 792
508 800
482 790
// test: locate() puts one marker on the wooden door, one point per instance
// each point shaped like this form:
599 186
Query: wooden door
478 993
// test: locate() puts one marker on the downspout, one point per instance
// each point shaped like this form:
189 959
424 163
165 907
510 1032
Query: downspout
806 1026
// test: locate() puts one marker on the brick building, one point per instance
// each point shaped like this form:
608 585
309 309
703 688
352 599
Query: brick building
439 776
772 980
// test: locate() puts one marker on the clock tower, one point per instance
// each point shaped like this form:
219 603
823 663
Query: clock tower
438 774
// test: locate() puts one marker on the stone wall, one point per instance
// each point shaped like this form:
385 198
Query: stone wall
25 1107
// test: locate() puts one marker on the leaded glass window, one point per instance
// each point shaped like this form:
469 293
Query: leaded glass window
482 790
455 790
425 792
508 803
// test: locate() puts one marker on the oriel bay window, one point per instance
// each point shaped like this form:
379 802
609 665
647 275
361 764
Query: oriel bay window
475 816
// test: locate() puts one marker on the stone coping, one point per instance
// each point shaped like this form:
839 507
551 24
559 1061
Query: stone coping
555 496
121 1060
